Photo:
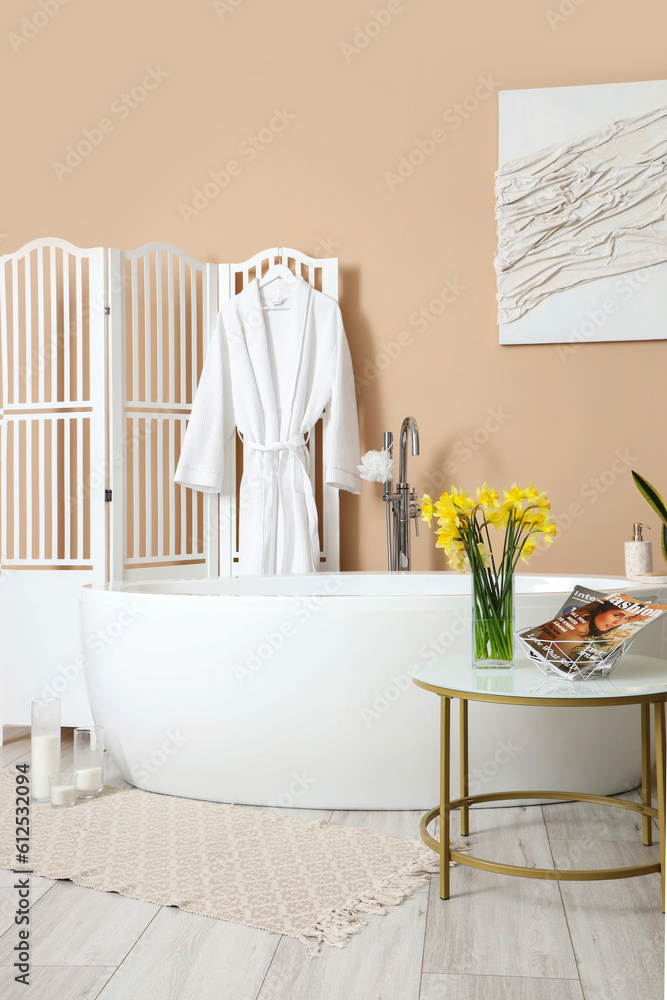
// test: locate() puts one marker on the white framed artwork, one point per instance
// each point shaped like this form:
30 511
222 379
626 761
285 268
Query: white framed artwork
581 211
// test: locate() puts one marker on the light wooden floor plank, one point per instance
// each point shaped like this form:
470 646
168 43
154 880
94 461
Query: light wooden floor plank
57 983
306 814
7 879
383 962
8 905
72 925
393 823
499 925
594 822
498 988
182 956
617 927
16 745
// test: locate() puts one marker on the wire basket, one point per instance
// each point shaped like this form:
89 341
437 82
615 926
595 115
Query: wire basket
554 663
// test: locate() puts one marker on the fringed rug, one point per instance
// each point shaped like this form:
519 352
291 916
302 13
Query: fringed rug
310 880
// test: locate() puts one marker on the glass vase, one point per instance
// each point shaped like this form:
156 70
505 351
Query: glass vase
89 761
493 622
44 746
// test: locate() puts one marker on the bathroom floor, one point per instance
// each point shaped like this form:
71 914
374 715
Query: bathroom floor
497 938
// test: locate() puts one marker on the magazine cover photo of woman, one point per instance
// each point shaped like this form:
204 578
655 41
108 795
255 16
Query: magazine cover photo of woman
597 623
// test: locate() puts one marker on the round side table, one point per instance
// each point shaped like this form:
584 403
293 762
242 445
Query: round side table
637 680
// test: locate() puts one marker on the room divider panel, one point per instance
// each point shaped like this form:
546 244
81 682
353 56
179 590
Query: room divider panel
52 478
100 352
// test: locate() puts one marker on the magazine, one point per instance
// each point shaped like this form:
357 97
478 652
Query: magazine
589 628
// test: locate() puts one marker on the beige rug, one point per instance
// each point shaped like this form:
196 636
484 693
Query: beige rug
309 880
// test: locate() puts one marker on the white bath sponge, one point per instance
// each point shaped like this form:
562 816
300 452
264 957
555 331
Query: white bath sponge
376 467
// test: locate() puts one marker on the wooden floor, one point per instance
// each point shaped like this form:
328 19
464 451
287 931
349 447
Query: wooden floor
497 938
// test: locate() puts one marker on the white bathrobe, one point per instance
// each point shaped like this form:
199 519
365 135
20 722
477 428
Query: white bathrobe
270 373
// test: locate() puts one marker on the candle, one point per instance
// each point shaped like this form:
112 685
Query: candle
45 760
88 779
62 795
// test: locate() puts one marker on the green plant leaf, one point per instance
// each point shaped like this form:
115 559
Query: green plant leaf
664 541
652 497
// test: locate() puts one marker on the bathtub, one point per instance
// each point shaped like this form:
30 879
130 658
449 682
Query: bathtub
294 691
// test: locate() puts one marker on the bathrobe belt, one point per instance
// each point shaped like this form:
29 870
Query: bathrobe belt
296 446
293 444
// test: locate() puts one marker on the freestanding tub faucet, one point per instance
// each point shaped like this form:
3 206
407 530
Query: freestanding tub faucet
401 505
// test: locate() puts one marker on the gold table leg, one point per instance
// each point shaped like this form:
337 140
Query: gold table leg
444 795
646 772
465 827
660 754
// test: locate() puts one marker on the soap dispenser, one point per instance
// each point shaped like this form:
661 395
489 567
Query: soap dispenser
638 554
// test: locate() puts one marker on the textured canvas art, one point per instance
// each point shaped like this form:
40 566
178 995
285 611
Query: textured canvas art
581 213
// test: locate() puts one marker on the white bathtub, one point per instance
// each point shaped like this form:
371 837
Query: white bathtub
294 691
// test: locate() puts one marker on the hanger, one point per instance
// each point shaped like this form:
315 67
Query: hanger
274 272
277 271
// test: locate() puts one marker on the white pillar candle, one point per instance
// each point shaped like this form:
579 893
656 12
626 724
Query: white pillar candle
88 779
44 760
62 795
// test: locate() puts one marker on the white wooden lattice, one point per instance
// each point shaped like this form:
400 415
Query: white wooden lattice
52 472
101 352
163 306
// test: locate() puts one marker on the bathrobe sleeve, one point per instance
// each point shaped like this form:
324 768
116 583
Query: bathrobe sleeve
344 455
201 463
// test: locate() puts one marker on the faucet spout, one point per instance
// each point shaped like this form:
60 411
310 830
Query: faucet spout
411 427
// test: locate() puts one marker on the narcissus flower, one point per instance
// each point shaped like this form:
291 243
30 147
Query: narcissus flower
528 548
427 508
461 500
514 497
484 554
462 526
487 497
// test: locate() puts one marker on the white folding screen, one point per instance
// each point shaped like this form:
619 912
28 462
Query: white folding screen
52 298
101 355
162 308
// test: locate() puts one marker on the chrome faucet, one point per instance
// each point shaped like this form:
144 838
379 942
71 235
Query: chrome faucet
401 505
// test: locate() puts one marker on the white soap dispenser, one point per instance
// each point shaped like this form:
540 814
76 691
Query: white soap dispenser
638 554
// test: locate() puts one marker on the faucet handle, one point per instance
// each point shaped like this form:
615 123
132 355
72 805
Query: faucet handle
417 524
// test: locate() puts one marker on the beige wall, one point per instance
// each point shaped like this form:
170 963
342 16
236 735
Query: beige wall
320 186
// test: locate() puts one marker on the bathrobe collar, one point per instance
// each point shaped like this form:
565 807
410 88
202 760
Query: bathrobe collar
254 332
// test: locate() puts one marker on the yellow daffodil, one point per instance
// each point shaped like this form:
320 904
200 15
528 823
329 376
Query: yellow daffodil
542 501
487 497
446 510
427 508
513 498
498 518
549 533
535 518
484 554
528 548
456 556
462 527
460 500
447 536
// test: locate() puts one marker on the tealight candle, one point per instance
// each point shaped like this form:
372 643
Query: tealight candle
89 761
63 793
88 780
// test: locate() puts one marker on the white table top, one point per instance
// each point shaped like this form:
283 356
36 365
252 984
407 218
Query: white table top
635 678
